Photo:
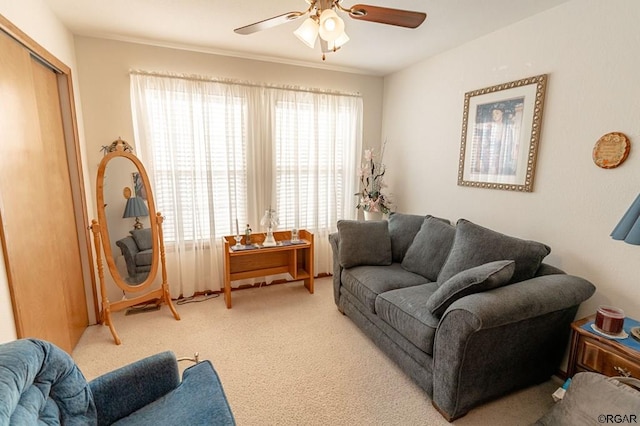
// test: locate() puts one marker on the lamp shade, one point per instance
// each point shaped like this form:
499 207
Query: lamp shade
628 229
331 25
308 32
270 218
339 42
135 208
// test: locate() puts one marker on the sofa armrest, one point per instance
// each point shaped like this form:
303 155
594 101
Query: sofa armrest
546 269
526 299
334 241
127 389
129 248
491 343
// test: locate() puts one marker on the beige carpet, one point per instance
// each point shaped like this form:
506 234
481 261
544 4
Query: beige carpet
286 357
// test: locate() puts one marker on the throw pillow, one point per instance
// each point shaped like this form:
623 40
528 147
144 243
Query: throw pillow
143 238
364 243
402 229
474 245
430 248
475 280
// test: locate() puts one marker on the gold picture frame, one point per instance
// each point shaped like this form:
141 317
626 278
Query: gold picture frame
500 135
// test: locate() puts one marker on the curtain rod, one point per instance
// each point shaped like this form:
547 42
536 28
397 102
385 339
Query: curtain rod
194 77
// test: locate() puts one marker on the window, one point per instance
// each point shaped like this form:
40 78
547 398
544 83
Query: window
199 163
218 152
309 168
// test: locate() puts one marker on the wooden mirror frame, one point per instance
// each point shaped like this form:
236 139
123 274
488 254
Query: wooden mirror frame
120 149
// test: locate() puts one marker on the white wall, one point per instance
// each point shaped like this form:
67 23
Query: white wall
588 48
35 19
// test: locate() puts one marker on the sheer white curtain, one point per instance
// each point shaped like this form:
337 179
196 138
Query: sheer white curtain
316 139
218 151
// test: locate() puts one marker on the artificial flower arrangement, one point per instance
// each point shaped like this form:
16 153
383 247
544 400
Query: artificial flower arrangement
370 197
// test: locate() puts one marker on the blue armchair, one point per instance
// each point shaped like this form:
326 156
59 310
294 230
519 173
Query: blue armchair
41 384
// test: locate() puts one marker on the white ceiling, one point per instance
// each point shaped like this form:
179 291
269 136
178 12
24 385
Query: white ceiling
377 49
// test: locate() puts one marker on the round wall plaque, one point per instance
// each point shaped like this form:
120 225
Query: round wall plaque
611 150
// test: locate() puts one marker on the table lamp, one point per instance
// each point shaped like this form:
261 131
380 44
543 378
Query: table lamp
628 229
135 208
270 219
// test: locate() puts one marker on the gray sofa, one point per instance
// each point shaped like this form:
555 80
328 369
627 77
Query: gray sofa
468 313
137 250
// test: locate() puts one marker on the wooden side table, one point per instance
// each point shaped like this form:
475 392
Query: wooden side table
592 352
294 259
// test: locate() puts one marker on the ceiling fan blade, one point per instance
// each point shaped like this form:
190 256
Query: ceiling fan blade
269 23
385 15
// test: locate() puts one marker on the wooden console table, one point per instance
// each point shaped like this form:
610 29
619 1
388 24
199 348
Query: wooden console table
294 259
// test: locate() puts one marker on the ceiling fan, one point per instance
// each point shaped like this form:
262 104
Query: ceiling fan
323 21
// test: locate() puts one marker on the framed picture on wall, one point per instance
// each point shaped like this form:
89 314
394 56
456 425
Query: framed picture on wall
500 135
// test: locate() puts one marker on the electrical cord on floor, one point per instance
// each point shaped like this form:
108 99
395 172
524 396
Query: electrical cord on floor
196 299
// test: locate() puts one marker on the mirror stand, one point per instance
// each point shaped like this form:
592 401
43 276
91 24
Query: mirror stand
161 295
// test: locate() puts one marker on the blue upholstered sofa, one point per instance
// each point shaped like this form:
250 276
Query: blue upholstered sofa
41 384
468 313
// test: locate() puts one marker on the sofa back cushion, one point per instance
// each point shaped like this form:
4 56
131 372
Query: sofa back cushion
402 229
475 245
143 238
430 248
475 280
364 243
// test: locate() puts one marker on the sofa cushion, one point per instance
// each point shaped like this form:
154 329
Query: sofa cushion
143 238
364 243
367 282
144 258
404 310
430 248
474 280
475 245
402 229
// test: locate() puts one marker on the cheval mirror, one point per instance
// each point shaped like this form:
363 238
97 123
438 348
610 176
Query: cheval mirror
133 252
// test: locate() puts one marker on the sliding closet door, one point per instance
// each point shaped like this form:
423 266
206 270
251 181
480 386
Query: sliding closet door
38 226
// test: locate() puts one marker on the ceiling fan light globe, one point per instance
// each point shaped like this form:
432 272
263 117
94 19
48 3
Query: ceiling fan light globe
307 32
338 43
331 25
326 14
341 41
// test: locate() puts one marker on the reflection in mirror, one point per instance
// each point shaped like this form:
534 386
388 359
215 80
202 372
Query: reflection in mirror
125 199
129 230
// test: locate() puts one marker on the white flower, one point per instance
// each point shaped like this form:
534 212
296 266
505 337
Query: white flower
371 197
